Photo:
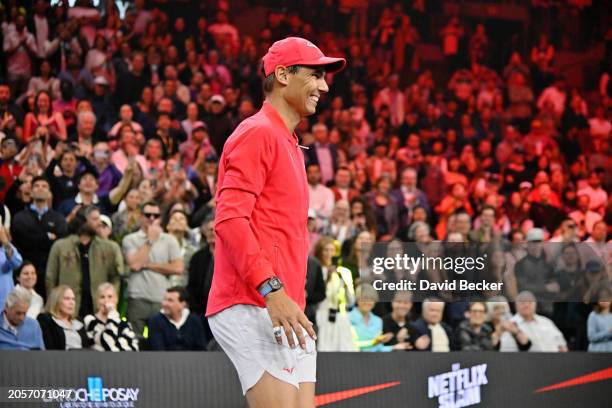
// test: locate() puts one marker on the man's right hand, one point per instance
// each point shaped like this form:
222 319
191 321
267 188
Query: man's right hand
284 312
153 231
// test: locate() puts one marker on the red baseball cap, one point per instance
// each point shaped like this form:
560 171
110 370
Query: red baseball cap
298 51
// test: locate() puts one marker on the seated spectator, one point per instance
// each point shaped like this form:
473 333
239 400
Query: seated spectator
598 196
196 143
10 259
152 256
384 208
10 169
584 218
367 328
511 338
398 323
83 261
60 329
474 334
599 325
541 331
431 324
26 278
17 330
342 185
105 329
128 149
175 328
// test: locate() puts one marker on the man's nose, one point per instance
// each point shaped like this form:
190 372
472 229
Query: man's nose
323 87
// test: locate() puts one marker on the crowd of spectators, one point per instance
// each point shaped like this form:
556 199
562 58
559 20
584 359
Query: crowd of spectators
111 128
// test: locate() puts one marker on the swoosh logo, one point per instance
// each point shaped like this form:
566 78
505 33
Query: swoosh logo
325 399
596 376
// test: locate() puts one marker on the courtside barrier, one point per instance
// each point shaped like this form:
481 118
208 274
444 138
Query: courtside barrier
355 380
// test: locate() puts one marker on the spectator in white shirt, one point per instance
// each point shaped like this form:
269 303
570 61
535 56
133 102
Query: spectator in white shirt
26 278
585 219
556 94
600 125
597 195
321 197
540 330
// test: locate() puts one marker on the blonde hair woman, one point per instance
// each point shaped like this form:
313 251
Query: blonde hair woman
106 329
332 317
61 331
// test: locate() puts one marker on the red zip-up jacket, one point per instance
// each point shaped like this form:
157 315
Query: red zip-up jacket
261 213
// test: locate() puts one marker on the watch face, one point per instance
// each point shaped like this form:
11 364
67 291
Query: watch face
276 283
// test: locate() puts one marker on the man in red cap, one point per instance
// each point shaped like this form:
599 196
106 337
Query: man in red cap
255 307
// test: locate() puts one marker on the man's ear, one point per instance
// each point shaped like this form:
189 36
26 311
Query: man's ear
281 74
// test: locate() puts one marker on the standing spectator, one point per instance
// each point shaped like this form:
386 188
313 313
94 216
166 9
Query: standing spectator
126 221
10 259
431 324
451 36
321 197
26 278
64 183
342 188
385 209
36 228
109 175
43 115
201 267
175 328
332 313
219 124
367 328
19 46
599 325
555 94
152 256
105 329
323 153
407 197
10 169
83 261
178 227
17 330
11 115
474 334
393 98
533 272
45 82
340 226
479 45
60 329
600 125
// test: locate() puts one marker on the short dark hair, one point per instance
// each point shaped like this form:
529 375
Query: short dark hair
182 293
41 178
17 271
268 82
488 207
149 203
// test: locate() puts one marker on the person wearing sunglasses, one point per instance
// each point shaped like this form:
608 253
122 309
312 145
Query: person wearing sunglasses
152 256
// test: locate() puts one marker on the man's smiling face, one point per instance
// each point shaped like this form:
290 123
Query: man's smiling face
304 89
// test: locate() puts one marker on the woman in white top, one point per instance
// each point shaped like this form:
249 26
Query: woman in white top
334 327
26 278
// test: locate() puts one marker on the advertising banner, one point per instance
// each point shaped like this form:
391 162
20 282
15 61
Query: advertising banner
411 379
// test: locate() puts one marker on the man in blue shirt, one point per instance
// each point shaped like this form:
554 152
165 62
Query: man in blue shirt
17 331
10 259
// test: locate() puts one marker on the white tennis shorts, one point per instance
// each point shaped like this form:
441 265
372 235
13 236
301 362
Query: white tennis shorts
245 334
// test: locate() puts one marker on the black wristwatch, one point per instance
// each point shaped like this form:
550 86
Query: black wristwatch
271 285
